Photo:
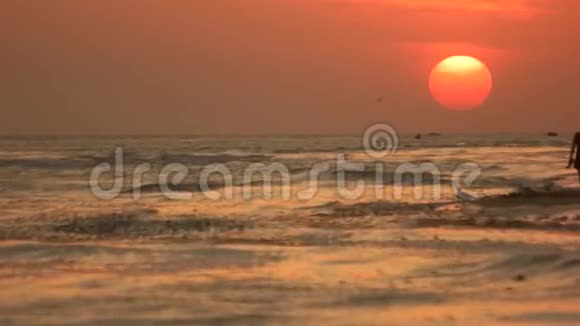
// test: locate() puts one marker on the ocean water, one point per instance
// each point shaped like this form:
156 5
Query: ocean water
321 254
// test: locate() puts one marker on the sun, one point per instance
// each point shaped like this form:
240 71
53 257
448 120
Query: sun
460 83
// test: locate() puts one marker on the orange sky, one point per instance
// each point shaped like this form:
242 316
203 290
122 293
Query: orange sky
281 66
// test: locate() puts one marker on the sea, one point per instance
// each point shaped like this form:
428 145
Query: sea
284 230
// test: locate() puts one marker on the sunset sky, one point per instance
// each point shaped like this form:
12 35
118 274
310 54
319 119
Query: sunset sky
281 66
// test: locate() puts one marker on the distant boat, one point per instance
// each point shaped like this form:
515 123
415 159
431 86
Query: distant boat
553 134
418 136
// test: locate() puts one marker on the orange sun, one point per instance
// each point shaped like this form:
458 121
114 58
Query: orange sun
460 83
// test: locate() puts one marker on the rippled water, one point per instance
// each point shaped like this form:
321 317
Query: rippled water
508 257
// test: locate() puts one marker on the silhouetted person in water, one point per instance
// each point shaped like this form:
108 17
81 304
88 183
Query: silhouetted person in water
575 162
